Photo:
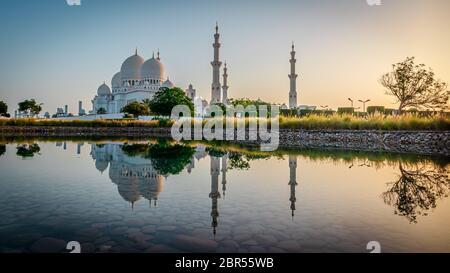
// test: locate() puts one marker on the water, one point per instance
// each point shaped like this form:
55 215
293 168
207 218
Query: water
113 197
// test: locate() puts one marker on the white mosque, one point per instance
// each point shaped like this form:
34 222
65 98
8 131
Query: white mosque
137 80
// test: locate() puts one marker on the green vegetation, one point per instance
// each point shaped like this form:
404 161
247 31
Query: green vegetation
166 99
101 111
414 86
3 109
28 150
136 109
30 107
2 149
371 122
376 110
167 158
311 122
346 110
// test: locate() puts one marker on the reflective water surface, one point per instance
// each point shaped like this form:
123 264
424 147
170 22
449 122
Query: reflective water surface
155 196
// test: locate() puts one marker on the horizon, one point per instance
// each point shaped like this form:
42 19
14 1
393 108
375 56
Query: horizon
59 54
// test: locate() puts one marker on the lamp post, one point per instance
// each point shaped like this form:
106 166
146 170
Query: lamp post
351 101
364 104
324 107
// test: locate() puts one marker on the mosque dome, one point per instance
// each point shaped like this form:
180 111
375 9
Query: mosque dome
116 80
152 187
131 68
153 68
128 189
168 84
101 165
103 90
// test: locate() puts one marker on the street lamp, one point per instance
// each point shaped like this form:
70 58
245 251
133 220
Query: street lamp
351 101
324 107
364 104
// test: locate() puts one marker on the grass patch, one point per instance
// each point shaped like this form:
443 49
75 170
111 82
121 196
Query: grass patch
409 122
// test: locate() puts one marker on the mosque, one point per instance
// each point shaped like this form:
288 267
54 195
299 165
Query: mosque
137 80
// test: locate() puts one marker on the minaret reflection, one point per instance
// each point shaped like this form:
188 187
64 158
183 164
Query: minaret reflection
224 174
215 194
79 145
293 181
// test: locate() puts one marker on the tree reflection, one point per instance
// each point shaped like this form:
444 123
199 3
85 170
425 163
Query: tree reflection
28 150
2 149
166 158
417 190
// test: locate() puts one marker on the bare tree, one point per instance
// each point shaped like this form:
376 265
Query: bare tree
415 86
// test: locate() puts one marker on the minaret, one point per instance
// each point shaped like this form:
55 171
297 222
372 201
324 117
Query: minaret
216 63
224 174
293 181
215 194
293 77
225 85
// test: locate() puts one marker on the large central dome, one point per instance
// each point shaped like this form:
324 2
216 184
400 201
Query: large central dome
153 69
131 68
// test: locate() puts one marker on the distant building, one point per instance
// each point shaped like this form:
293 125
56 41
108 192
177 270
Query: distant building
307 107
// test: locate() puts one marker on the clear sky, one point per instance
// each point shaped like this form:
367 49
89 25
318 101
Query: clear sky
60 54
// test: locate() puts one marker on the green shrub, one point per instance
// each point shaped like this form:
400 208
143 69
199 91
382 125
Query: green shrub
346 110
375 109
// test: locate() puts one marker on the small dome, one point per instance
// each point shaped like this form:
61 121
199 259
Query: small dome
104 90
154 69
116 80
168 84
131 68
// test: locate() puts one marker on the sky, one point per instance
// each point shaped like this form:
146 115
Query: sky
60 54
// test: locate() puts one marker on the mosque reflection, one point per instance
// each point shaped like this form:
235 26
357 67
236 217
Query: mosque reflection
140 171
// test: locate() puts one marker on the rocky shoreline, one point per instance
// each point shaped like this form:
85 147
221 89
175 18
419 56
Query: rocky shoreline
414 142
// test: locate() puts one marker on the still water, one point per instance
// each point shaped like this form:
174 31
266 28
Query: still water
116 196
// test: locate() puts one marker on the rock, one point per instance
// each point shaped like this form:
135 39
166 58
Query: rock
250 243
87 248
148 229
166 228
289 245
161 249
195 244
48 245
230 244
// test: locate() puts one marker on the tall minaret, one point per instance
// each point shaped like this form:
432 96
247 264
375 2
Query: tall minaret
225 85
216 64
293 77
215 194
293 181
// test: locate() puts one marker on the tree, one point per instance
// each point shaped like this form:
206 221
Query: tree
30 107
417 190
2 149
136 109
415 86
101 111
3 108
167 98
